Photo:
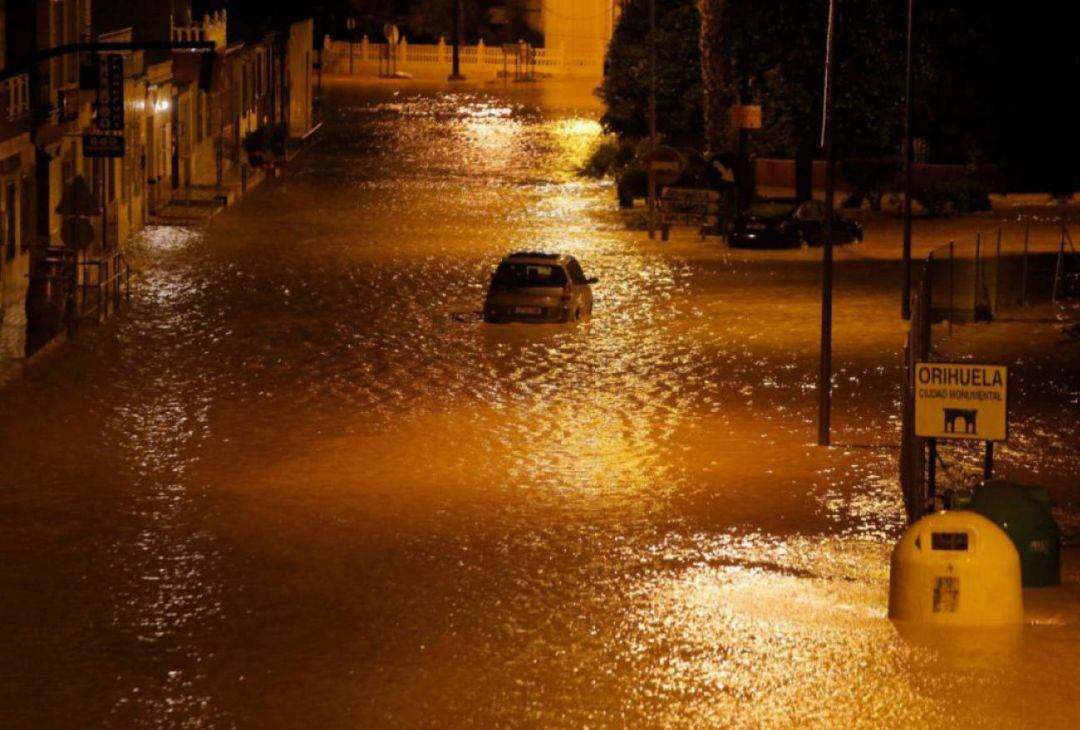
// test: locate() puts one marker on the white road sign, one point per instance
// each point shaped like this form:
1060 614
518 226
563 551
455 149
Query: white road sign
691 194
961 401
689 207
687 219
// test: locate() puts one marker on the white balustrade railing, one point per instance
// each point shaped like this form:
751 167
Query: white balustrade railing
417 56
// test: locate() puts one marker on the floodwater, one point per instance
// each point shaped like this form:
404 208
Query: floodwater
298 483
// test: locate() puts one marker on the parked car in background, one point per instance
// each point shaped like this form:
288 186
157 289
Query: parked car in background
538 287
786 223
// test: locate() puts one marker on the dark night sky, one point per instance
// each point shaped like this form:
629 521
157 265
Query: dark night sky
1033 79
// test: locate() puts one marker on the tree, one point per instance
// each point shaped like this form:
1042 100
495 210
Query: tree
625 89
772 53
715 76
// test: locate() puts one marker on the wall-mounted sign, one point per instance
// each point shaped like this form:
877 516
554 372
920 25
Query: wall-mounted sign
110 106
103 145
961 401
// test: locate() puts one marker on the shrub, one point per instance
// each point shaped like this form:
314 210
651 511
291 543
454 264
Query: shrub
971 196
953 196
633 182
678 71
609 157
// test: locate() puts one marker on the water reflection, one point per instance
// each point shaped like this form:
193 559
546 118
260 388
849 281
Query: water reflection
300 485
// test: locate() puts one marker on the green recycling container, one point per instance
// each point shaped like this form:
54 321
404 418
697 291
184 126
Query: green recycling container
1024 514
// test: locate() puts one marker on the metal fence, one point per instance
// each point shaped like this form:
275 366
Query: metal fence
345 57
992 274
985 277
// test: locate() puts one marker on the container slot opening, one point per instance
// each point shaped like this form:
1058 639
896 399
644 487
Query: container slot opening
949 541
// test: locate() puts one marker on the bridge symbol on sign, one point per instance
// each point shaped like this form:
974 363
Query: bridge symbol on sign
968 415
961 400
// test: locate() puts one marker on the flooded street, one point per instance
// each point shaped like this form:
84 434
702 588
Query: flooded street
299 483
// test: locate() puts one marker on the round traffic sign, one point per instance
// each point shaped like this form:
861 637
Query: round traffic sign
391 32
666 164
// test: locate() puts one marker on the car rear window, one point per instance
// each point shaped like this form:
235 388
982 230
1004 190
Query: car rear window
770 208
525 275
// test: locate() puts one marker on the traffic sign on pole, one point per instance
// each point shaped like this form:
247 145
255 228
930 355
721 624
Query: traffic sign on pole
746 116
666 164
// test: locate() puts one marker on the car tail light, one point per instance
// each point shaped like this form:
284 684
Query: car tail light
566 292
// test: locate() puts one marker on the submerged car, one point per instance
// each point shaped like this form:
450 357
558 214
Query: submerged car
786 223
538 287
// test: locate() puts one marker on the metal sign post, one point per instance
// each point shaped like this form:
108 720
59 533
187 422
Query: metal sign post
459 31
665 166
393 35
909 163
653 182
825 362
350 25
508 50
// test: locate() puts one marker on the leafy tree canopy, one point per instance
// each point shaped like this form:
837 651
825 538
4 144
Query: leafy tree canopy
625 90
774 51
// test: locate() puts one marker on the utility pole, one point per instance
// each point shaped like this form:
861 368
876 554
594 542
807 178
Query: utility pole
350 25
459 21
743 171
825 369
652 116
909 161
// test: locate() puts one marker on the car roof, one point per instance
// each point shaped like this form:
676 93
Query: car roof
778 207
537 257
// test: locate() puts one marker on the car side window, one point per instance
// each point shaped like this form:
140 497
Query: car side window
811 210
576 274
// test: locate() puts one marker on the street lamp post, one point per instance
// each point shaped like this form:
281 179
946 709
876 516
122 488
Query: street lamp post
909 161
825 369
652 116
350 25
459 21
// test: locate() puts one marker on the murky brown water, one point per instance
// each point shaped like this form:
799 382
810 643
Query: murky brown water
299 484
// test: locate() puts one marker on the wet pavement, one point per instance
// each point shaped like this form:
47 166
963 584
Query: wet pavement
299 483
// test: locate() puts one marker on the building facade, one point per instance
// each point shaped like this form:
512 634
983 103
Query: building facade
186 113
581 29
